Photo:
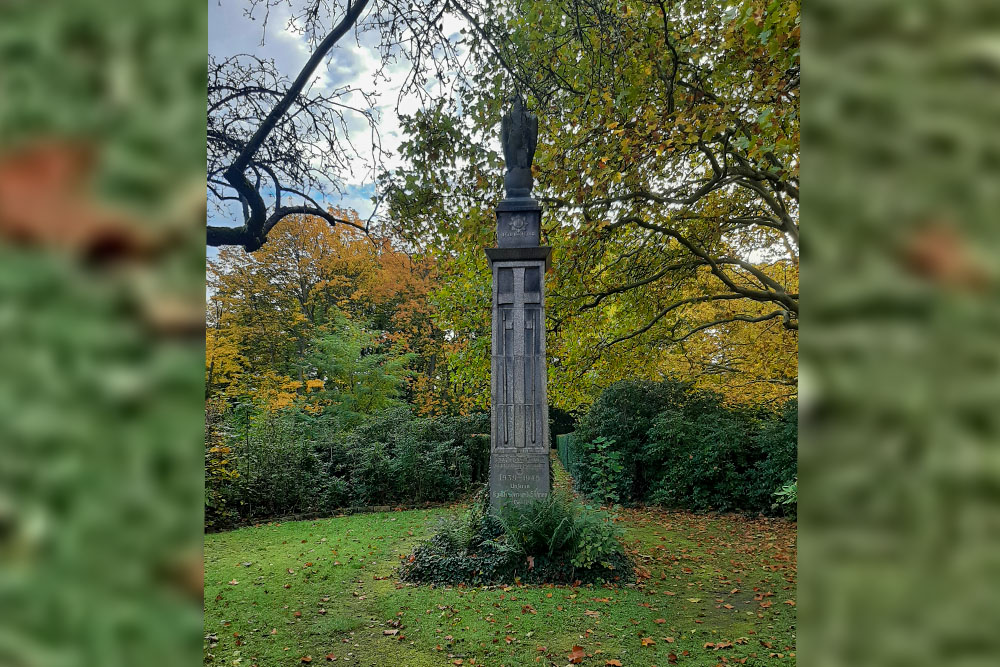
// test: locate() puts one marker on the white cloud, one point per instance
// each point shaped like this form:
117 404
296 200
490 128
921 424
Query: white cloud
354 62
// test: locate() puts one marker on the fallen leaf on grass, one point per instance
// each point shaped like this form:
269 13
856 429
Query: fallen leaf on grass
390 632
331 657
660 621
233 582
672 658
648 641
613 663
576 655
306 658
694 599
297 614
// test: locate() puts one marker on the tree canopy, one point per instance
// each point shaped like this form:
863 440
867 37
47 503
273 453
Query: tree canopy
668 160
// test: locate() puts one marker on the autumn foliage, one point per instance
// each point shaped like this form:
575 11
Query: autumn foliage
319 333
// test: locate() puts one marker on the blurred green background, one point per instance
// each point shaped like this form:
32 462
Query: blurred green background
899 467
101 381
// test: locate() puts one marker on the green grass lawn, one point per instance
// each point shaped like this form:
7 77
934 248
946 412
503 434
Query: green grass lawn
712 589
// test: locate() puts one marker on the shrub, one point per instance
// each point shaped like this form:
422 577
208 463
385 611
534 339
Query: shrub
606 470
292 462
624 413
668 444
704 456
551 540
788 496
777 442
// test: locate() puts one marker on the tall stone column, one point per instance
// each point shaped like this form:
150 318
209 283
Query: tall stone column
519 438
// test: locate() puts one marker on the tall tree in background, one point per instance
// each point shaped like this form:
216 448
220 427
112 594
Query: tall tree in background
668 156
327 318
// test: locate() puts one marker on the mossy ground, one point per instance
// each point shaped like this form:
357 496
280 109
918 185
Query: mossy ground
703 580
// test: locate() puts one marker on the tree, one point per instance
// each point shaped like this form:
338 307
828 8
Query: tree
275 146
323 317
668 156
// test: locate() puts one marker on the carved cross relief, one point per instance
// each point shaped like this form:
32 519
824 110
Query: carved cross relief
517 358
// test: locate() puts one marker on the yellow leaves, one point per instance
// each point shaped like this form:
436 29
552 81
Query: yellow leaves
648 641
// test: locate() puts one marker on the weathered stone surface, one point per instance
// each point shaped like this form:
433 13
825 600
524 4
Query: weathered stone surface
518 136
519 437
520 424
519 223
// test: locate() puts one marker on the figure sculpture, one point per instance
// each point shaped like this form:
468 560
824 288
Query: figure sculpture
518 136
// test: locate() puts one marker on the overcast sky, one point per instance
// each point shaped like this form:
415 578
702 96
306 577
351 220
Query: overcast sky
231 32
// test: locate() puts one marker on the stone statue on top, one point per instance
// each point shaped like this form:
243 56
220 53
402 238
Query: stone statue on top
518 136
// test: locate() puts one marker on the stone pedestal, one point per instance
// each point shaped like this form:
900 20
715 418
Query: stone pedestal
519 439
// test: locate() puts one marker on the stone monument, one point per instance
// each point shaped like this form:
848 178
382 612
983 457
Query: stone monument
519 437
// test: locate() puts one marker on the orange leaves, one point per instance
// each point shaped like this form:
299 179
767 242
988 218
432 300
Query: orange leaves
648 641
576 655
718 645
46 200
613 663
660 621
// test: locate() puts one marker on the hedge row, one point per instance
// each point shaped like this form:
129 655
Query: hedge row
665 443
291 463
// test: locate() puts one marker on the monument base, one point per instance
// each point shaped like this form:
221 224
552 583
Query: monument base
518 478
